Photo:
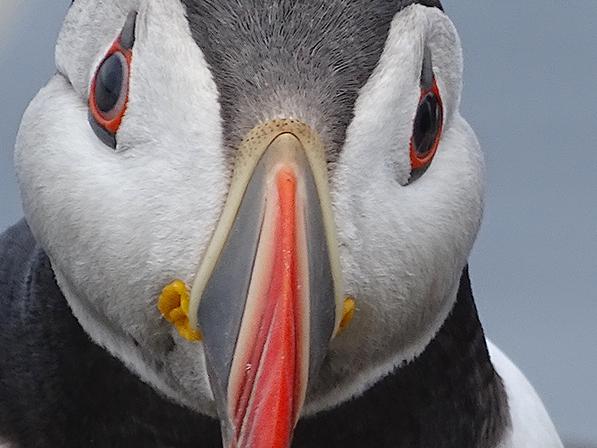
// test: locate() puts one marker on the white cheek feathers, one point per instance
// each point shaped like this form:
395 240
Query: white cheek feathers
403 248
120 211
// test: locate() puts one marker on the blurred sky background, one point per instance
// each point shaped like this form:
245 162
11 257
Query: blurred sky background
531 95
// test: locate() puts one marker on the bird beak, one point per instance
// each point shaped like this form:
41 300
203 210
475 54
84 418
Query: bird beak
268 295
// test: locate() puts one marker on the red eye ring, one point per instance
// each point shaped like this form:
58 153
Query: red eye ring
421 159
111 121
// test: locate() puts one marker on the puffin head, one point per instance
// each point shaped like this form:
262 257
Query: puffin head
212 180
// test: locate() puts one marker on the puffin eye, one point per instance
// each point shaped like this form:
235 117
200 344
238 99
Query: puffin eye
108 97
109 89
428 123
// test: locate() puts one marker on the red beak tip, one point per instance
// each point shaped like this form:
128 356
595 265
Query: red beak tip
267 401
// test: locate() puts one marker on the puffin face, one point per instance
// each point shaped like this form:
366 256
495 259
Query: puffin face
272 158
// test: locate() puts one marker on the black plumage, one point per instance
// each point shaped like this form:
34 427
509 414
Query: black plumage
290 58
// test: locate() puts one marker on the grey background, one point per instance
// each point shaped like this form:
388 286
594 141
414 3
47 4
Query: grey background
531 95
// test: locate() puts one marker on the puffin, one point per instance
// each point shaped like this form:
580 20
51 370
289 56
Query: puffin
247 225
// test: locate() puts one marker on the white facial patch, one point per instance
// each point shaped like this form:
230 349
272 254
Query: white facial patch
118 225
403 247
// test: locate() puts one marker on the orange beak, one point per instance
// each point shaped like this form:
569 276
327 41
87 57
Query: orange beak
266 396
268 297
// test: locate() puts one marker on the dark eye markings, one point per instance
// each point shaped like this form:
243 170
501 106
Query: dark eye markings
108 97
428 123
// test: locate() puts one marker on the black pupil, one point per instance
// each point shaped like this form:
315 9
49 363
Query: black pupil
427 124
108 83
